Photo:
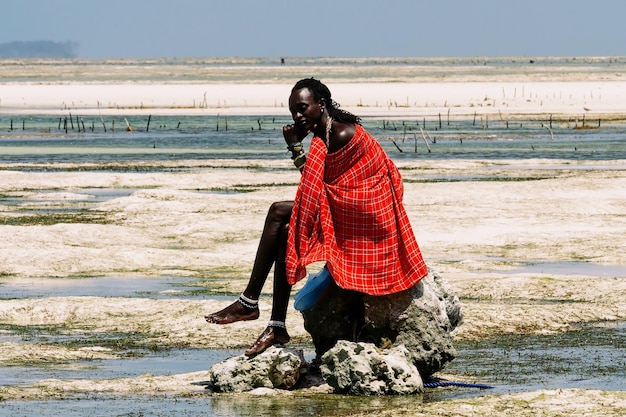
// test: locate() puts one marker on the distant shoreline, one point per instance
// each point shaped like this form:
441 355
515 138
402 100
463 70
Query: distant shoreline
371 87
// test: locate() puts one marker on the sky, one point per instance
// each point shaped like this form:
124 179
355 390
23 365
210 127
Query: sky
321 28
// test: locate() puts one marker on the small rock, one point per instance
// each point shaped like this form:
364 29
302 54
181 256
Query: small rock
363 369
278 368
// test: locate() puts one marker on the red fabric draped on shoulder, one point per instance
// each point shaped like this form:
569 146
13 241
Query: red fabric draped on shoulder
348 211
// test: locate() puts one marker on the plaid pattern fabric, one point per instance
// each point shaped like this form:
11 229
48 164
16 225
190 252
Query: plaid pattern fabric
348 211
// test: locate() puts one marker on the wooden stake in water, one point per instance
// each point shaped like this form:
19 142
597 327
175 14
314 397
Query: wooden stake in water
397 147
425 141
103 124
429 138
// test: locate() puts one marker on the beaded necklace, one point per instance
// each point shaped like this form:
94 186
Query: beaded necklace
329 126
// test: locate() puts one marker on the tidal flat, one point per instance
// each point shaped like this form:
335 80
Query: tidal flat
106 311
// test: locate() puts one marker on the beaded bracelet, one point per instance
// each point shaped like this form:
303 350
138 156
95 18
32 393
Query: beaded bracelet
299 160
295 148
297 154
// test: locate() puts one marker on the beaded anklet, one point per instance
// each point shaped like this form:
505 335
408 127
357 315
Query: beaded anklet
248 303
276 323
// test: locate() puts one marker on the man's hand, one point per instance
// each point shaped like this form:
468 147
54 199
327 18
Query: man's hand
293 134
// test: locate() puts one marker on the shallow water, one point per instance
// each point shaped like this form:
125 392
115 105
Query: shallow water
197 138
572 268
217 406
171 362
12 288
589 358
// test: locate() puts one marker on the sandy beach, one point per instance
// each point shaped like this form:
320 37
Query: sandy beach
480 235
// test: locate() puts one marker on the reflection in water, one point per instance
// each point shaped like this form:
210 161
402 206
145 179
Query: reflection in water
97 287
223 405
572 268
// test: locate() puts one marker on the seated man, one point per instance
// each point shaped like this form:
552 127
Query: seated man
347 211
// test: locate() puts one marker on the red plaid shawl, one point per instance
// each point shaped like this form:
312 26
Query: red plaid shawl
348 211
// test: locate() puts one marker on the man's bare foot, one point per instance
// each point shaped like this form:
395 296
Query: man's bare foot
234 312
271 336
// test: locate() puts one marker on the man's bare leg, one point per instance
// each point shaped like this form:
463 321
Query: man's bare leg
271 247
276 331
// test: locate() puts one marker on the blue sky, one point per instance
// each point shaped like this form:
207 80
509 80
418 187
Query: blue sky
335 28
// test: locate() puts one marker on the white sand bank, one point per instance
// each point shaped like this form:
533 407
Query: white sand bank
591 98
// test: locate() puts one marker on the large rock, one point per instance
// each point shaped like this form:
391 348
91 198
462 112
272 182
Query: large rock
365 345
274 368
363 369
421 318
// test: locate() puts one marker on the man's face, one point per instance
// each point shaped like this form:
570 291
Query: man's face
305 111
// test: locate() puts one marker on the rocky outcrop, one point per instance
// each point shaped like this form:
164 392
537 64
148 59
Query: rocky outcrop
363 369
421 318
365 345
